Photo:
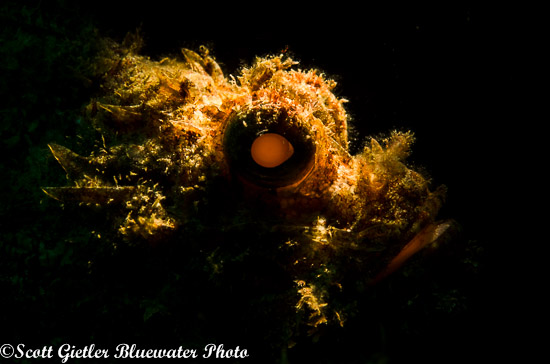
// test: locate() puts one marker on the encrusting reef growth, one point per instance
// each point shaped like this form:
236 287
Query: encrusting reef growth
174 165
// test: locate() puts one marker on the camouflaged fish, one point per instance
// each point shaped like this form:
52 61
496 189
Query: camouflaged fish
257 166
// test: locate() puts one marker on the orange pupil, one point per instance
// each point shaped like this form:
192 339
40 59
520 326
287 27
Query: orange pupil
271 150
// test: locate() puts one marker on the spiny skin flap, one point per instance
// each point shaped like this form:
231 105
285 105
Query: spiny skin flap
96 195
75 165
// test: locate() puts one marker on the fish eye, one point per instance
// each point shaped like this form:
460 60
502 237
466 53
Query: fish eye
268 148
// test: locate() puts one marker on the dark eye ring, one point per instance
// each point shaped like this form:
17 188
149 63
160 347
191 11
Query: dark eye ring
286 165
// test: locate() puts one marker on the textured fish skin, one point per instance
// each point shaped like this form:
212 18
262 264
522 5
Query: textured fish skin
176 135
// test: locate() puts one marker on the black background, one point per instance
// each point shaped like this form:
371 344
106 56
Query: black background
450 74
